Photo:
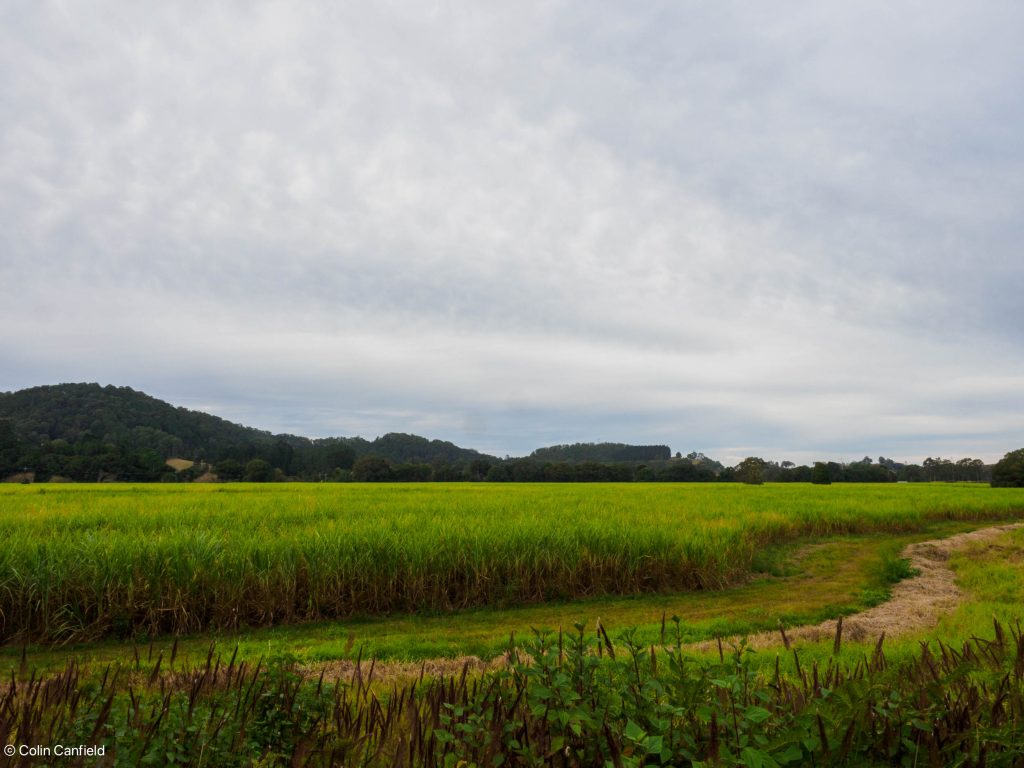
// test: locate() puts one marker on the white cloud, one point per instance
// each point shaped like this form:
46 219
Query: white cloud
741 229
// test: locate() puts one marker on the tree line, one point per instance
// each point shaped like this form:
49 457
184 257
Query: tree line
89 433
752 470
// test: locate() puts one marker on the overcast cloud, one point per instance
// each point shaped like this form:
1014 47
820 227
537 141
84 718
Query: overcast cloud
789 229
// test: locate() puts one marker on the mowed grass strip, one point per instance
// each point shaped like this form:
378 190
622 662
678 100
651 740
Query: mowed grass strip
82 562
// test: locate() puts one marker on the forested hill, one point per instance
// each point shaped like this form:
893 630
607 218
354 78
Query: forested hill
87 432
88 412
602 452
401 448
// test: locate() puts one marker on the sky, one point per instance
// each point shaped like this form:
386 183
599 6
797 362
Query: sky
787 229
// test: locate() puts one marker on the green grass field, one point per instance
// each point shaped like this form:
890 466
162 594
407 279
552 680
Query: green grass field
801 583
131 584
88 562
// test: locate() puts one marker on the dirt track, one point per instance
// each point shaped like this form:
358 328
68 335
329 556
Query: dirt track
916 603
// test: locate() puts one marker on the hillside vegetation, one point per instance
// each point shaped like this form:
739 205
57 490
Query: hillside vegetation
86 432
89 433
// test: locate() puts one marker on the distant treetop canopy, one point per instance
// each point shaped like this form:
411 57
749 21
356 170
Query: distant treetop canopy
605 452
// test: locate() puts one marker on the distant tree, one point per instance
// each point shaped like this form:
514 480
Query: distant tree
229 469
410 473
281 455
684 471
599 472
972 470
865 471
699 458
911 473
318 459
939 469
498 473
800 474
143 466
478 469
644 474
340 455
1009 471
371 469
526 471
889 464
820 474
442 471
259 471
10 448
751 470
559 472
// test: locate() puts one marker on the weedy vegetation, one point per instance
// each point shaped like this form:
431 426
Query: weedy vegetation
576 699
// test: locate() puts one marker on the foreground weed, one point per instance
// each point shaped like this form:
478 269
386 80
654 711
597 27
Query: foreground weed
576 699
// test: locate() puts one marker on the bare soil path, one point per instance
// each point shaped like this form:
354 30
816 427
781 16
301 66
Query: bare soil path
917 602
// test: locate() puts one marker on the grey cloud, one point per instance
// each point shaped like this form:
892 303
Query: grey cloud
734 227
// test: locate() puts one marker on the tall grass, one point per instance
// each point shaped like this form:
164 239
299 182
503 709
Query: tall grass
87 561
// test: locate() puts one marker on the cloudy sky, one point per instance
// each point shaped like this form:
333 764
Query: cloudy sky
789 229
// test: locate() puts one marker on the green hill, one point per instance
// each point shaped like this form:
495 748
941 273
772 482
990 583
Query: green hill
88 432
123 416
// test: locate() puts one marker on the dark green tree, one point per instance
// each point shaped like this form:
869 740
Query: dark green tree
751 470
970 469
443 472
10 448
1009 470
229 469
281 456
478 469
259 471
339 455
820 474
498 473
410 473
372 469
